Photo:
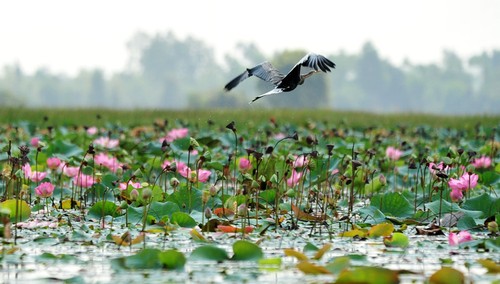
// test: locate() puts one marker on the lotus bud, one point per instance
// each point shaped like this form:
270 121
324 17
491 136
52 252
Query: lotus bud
208 213
124 205
134 194
242 210
382 179
119 171
493 227
213 191
205 196
147 193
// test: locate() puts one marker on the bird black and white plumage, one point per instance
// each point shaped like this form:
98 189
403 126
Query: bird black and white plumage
284 83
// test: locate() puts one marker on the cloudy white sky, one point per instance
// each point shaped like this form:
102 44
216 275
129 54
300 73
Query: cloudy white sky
66 36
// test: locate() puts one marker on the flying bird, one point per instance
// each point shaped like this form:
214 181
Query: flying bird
284 83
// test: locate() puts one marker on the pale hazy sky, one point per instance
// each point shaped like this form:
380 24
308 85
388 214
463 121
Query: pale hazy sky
66 36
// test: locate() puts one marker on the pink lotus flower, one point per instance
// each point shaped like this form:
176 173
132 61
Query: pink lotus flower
456 239
433 168
85 181
33 175
393 153
124 185
469 180
456 184
92 130
300 161
35 141
44 190
69 171
465 182
245 164
106 142
483 162
53 163
294 179
334 172
109 162
193 176
456 195
175 134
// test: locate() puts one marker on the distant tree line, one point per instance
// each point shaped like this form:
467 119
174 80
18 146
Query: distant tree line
167 72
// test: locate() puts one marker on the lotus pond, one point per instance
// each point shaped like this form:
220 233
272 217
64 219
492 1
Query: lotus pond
219 201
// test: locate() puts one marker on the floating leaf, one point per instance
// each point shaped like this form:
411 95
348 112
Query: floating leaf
49 257
197 236
368 275
275 261
209 252
183 219
126 239
172 259
144 259
338 264
381 230
319 254
310 247
297 254
310 268
245 250
447 275
490 265
362 233
19 209
397 240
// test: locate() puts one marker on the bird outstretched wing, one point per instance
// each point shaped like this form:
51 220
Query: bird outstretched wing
316 62
312 60
264 71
